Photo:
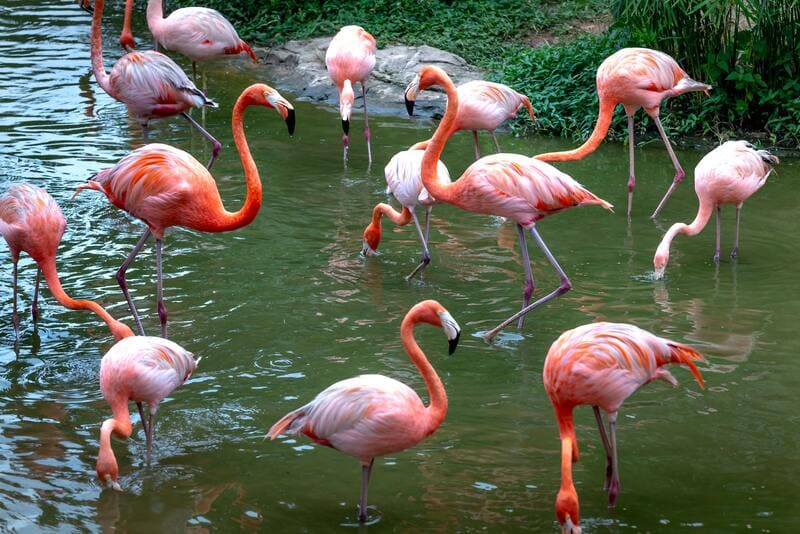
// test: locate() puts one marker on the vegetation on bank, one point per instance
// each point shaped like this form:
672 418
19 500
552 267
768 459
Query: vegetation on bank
749 50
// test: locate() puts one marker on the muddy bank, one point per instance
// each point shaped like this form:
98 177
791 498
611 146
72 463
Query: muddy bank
299 67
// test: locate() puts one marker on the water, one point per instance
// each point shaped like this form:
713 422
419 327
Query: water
284 307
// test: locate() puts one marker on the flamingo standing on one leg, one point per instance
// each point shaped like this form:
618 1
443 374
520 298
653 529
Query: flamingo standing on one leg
199 33
139 369
602 364
517 187
729 174
485 106
636 78
164 186
350 58
405 183
32 222
374 415
150 84
126 40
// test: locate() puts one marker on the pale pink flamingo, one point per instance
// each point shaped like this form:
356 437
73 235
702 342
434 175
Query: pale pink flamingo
374 415
139 369
164 186
517 187
150 84
729 174
601 365
199 33
636 78
350 58
405 183
31 221
485 106
126 40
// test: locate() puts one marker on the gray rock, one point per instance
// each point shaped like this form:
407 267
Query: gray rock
299 67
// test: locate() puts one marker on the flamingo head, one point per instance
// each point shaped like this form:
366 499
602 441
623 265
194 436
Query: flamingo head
106 467
372 238
260 94
431 312
346 99
660 260
126 40
427 76
568 511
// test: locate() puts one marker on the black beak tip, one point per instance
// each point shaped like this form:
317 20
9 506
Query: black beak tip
454 343
290 121
409 107
346 127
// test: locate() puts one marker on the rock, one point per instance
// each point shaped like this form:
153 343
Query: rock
299 67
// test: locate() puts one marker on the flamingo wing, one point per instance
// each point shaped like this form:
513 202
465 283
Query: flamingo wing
404 178
351 55
30 219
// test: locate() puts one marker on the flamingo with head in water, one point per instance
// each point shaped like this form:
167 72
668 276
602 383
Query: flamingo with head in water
636 78
164 186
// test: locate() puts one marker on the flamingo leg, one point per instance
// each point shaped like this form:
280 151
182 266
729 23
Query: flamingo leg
35 303
632 175
14 316
145 133
717 243
604 437
735 251
496 144
216 146
141 416
613 486
366 470
151 426
679 174
367 135
426 256
428 210
475 143
162 310
123 283
194 72
529 281
563 287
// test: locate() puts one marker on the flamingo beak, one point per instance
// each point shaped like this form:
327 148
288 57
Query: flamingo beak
290 121
453 344
410 95
346 126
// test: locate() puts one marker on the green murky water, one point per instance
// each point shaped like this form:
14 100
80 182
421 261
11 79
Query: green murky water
284 307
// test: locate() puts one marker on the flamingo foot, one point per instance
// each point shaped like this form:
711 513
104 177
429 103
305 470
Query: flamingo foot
216 147
735 253
679 174
609 473
716 257
423 264
613 492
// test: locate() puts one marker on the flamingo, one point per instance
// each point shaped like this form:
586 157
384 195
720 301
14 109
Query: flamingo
126 40
729 174
350 58
31 221
199 33
485 106
374 415
636 78
404 182
164 186
602 364
516 187
150 84
139 369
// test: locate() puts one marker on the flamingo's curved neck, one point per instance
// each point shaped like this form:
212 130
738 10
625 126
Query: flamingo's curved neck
155 17
440 189
694 228
120 425
48 267
400 218
231 221
437 409
99 70
567 498
604 116
127 35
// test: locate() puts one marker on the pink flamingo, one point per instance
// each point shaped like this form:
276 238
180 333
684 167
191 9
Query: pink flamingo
199 33
636 78
729 174
602 364
350 58
517 187
32 222
164 186
405 183
139 369
126 40
150 84
374 415
485 106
